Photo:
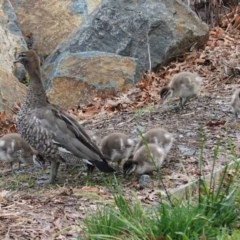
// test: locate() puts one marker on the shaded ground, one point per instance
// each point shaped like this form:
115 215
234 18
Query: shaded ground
29 211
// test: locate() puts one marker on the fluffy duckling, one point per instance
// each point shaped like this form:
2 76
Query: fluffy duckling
117 146
184 86
235 103
14 149
145 160
159 136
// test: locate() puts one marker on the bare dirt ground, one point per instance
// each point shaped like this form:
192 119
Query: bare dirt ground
30 211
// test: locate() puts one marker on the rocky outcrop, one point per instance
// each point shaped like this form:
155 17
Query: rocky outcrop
51 22
11 40
168 28
150 32
99 47
11 92
85 74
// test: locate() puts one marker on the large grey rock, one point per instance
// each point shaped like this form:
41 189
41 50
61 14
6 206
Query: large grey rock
51 22
128 28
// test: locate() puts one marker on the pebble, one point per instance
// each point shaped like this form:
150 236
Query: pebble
144 181
186 151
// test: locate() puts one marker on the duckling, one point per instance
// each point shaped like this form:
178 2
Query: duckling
235 103
117 146
13 148
158 136
184 86
145 160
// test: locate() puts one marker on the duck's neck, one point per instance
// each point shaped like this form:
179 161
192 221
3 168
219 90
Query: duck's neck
36 96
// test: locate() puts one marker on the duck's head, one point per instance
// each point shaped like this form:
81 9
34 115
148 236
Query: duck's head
165 94
129 167
29 59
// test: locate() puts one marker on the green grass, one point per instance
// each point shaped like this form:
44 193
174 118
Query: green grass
226 236
17 181
141 111
181 221
125 220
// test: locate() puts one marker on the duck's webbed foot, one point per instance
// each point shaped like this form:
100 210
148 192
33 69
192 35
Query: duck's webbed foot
54 169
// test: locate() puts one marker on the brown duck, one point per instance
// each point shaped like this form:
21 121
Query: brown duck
49 129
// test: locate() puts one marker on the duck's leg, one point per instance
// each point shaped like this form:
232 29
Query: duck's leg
179 106
18 156
19 165
54 169
90 169
181 103
236 116
185 101
11 165
53 175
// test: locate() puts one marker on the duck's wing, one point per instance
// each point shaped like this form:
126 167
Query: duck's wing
68 135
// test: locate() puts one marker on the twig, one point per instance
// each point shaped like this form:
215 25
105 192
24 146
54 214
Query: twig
149 54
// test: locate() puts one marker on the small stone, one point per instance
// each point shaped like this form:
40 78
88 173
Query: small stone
139 129
144 181
191 134
186 151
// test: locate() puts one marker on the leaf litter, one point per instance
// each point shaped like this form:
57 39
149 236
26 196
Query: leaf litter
29 211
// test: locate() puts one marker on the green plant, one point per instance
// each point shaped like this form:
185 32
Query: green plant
185 221
124 219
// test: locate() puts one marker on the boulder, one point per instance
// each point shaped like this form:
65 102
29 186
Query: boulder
82 75
151 32
11 41
11 92
51 22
